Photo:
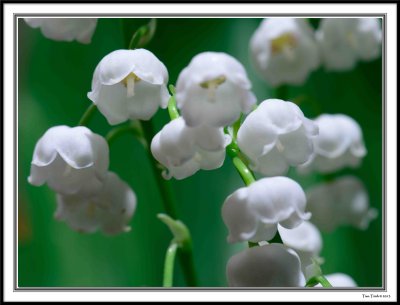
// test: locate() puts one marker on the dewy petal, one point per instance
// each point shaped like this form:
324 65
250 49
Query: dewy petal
270 265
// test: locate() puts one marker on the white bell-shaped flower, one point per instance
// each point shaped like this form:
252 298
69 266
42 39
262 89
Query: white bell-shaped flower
252 213
184 150
271 265
340 280
213 90
71 160
129 84
284 50
65 29
275 136
339 144
306 240
341 202
343 41
110 210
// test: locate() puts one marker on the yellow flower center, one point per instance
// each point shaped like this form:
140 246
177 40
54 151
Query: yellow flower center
129 83
284 44
212 85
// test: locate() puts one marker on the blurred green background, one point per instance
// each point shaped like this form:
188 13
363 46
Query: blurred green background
53 80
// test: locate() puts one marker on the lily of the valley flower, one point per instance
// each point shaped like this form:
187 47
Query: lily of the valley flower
65 29
339 144
340 280
284 50
213 90
276 135
341 202
184 150
306 240
129 84
345 40
271 265
109 210
70 160
253 213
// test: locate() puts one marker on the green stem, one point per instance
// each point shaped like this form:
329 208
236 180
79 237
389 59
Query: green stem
244 171
133 128
186 255
172 110
169 265
320 279
87 116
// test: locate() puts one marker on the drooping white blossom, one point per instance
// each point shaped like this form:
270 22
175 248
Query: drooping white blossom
70 160
129 84
343 41
340 280
306 240
213 90
272 265
275 136
253 213
109 210
284 50
65 29
341 202
339 144
184 150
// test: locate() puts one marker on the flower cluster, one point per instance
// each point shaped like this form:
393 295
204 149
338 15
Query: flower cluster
74 163
287 50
